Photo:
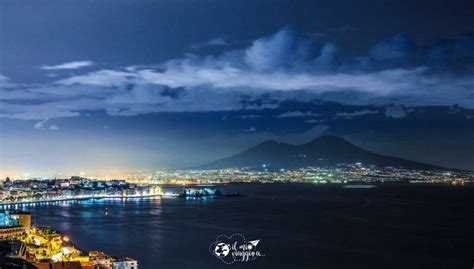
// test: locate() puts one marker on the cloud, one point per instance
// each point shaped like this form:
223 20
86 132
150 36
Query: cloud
48 110
251 129
326 58
40 124
292 114
272 69
314 121
213 42
250 116
68 65
271 52
189 75
350 115
5 82
395 111
106 78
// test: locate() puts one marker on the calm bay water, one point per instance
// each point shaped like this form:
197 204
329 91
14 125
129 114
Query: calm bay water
299 226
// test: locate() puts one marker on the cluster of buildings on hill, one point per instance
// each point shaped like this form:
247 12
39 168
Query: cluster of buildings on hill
25 246
344 173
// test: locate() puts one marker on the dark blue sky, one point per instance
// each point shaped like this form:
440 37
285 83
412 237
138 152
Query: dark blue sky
126 85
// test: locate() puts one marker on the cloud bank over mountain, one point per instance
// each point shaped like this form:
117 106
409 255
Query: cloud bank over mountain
271 69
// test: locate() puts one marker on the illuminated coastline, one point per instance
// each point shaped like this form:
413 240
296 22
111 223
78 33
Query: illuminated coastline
44 247
83 198
37 191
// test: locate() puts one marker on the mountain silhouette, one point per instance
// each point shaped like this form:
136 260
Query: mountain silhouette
324 151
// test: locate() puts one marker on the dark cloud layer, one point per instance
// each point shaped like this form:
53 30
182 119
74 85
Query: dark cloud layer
271 69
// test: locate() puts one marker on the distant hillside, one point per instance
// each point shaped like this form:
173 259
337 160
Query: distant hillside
322 151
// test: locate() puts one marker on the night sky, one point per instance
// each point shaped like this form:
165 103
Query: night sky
143 85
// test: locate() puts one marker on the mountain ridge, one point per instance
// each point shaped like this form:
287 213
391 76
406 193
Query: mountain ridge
324 151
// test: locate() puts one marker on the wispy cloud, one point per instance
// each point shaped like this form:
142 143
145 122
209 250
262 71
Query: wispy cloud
250 116
213 42
41 125
68 65
292 114
353 114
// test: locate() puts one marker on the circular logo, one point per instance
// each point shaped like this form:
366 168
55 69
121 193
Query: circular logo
222 250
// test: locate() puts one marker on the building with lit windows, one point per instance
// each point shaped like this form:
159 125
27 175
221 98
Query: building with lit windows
14 225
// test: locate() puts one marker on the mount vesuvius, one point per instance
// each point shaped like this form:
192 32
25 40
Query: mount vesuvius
323 152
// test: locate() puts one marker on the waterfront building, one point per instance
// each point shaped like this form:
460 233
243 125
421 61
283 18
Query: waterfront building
7 233
14 225
45 243
100 258
124 263
24 219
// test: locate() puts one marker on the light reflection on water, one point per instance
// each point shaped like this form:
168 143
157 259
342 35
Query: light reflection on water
300 226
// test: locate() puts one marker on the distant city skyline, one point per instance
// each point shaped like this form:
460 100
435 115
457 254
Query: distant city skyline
151 85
